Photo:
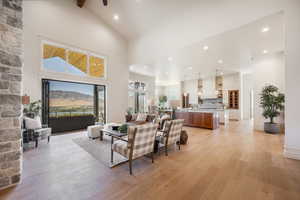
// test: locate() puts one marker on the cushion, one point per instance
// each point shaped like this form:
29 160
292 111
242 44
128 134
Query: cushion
121 147
133 117
141 117
33 123
164 117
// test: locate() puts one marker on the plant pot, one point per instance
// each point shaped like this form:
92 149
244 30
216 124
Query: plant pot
272 128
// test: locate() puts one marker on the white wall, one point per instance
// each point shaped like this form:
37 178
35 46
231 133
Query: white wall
159 91
232 82
247 89
268 69
63 22
191 87
209 87
173 92
292 136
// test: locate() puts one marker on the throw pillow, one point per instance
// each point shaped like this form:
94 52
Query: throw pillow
33 123
164 117
133 117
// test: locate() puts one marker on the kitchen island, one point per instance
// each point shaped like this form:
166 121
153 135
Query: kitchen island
200 119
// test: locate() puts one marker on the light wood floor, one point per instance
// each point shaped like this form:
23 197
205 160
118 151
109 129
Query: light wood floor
230 163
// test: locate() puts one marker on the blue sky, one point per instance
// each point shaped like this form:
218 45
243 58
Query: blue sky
59 65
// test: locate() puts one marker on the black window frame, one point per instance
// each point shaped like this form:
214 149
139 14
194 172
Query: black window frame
45 98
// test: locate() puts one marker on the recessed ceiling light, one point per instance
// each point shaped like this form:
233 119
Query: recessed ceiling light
116 17
167 73
170 59
205 48
190 68
265 51
220 61
145 67
265 29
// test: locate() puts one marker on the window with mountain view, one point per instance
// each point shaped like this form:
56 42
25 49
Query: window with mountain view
75 62
70 99
71 106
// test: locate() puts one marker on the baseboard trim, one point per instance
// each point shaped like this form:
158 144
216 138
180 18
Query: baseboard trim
292 153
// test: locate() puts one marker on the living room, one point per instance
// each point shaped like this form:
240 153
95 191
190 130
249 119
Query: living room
191 74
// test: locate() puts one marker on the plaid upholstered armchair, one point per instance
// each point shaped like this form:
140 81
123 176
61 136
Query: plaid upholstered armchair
171 133
140 142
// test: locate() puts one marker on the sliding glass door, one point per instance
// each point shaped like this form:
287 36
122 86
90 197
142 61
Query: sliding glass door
100 103
72 106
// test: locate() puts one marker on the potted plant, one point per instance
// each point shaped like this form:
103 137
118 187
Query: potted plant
123 128
33 109
272 102
162 100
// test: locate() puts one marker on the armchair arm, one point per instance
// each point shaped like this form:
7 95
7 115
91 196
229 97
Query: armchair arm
45 126
119 138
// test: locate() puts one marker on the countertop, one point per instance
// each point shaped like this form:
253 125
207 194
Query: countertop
203 110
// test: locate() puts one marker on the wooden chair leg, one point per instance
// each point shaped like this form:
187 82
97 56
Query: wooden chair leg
48 139
130 166
166 150
179 146
36 143
152 157
158 149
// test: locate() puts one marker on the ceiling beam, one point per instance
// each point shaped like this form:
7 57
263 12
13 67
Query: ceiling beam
80 3
105 2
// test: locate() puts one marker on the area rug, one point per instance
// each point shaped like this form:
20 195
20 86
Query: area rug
100 150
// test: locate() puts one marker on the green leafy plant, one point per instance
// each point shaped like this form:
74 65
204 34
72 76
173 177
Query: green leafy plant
123 128
272 102
129 111
33 109
162 100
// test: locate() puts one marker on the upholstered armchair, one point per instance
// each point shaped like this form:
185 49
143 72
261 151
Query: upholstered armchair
171 133
140 142
33 130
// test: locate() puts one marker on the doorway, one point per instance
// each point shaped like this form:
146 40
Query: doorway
68 106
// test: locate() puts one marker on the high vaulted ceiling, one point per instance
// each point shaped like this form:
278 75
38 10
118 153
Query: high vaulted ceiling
138 17
237 49
149 26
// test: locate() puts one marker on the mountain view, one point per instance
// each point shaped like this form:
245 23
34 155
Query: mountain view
60 98
69 103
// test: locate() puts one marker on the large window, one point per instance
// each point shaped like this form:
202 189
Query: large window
70 99
59 58
70 106
137 93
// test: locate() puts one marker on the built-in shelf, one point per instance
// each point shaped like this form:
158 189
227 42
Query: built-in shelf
233 101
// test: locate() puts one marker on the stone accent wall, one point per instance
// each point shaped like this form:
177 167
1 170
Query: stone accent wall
11 50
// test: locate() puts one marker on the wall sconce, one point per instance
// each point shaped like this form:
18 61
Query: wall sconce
25 100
